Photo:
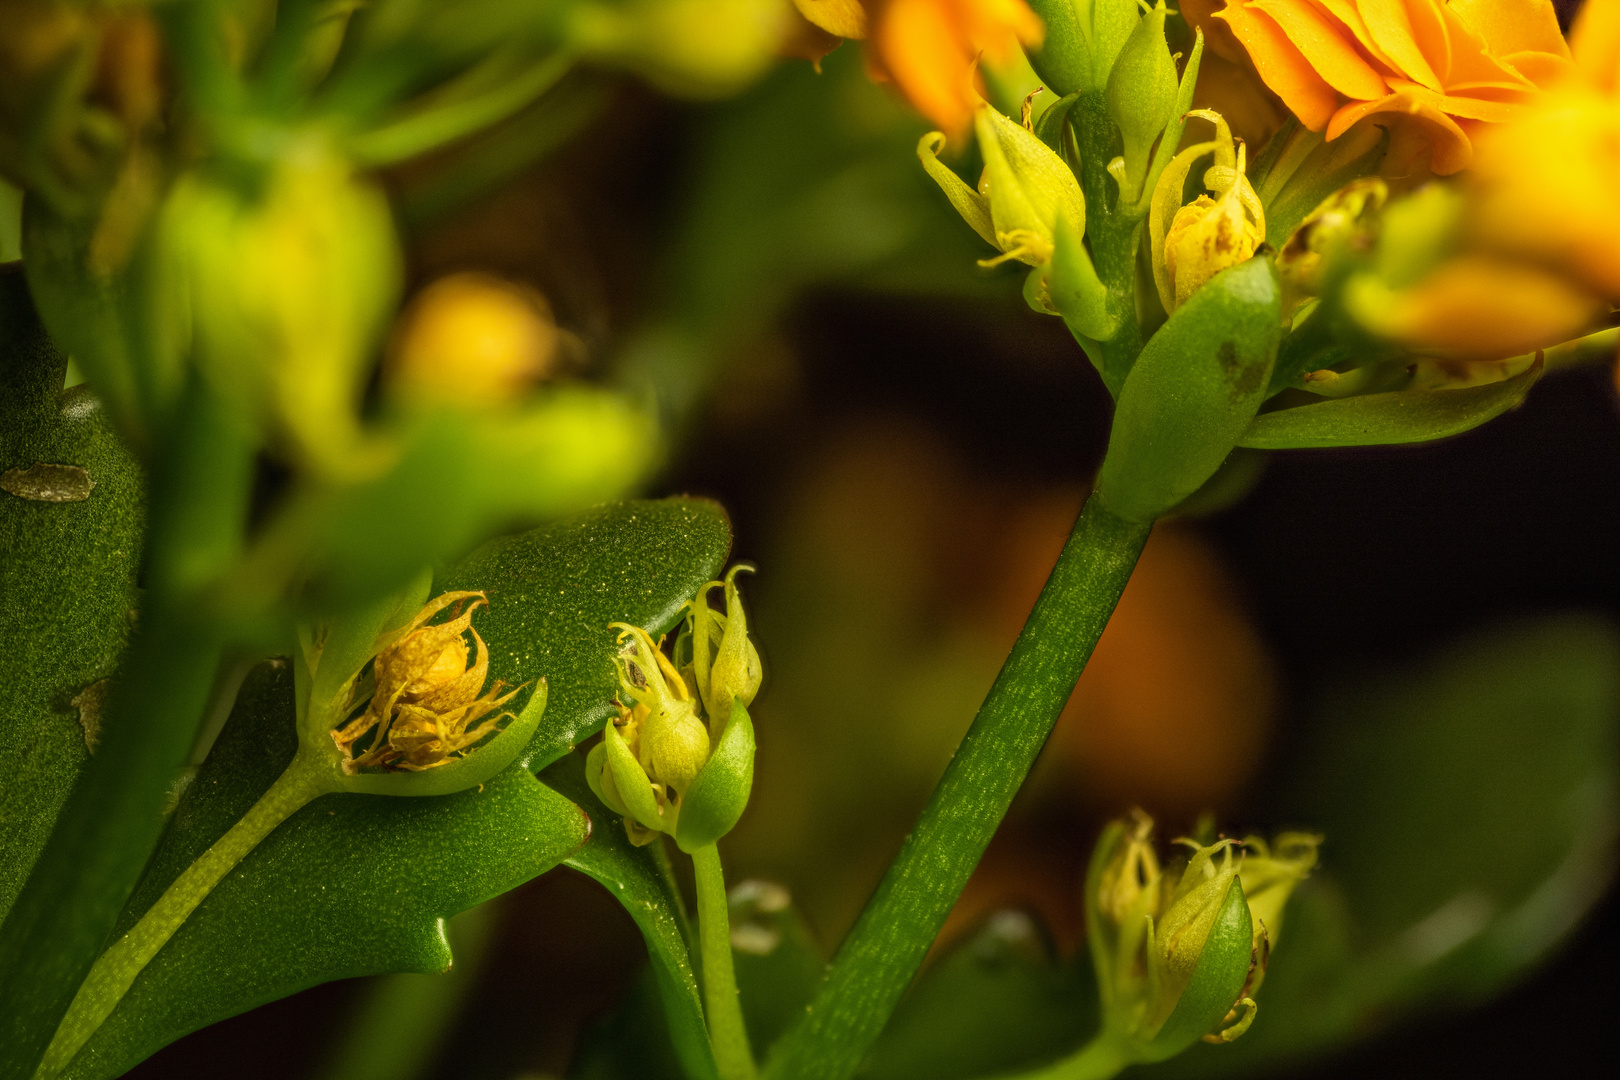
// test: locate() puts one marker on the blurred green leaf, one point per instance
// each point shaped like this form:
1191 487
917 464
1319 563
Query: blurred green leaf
350 885
775 957
996 1002
67 578
639 879
1383 419
554 590
1470 808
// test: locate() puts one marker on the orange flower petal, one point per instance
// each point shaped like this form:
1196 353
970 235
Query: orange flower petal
1346 12
1514 26
1452 149
1485 309
1595 43
1541 68
1472 61
1392 32
1281 66
1328 51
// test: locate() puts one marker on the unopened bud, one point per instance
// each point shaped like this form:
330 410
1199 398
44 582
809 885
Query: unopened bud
1142 94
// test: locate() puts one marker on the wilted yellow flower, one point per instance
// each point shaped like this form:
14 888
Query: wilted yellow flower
472 339
426 704
1451 67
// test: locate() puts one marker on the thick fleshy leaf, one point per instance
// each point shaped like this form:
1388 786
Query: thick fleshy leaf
639 878
553 591
1386 419
71 514
1193 392
350 885
997 1002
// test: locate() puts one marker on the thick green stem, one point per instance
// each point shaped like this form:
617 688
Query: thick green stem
1100 1059
111 823
115 971
887 945
1113 226
727 1034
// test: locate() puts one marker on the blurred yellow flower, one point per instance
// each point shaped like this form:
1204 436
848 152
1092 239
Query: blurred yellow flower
1452 67
1547 188
472 339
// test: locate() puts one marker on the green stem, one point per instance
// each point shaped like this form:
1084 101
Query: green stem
115 971
1113 226
1100 1059
727 1034
887 945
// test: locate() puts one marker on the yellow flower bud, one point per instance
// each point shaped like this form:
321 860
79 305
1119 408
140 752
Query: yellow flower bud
1193 243
472 339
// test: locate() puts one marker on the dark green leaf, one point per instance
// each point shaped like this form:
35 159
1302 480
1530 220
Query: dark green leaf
995 1003
553 591
67 577
1383 419
637 878
1192 392
350 885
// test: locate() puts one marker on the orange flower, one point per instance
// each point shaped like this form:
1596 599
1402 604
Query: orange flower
1547 188
1452 67
930 49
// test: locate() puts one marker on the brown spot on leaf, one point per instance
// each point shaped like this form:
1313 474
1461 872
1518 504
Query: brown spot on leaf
43 482
90 703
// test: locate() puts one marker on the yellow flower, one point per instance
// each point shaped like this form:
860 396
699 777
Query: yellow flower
472 339
1547 188
1450 68
1191 244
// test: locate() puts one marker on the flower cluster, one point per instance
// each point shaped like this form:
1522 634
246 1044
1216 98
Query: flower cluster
678 756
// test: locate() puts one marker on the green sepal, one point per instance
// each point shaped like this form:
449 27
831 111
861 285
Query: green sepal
595 766
1396 418
1031 188
719 794
630 780
478 766
1063 60
1193 392
1311 184
1223 968
1142 93
1074 290
973 207
1049 125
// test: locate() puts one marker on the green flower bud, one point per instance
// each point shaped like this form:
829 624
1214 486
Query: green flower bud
1026 194
1083 38
1141 92
1177 949
724 663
